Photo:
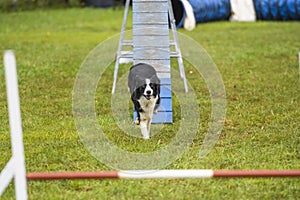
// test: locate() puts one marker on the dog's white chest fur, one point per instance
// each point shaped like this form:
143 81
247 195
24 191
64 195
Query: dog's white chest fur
146 115
147 106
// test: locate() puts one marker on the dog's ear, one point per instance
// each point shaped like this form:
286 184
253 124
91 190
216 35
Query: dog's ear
154 79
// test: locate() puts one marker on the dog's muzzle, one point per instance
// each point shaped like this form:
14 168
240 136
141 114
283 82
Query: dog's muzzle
148 96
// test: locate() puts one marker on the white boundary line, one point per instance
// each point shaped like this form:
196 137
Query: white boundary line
15 168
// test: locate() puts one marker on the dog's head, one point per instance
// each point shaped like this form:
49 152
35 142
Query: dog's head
148 87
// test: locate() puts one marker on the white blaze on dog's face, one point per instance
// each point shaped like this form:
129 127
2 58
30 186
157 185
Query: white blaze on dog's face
148 90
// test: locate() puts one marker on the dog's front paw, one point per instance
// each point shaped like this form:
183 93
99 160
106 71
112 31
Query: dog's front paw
137 121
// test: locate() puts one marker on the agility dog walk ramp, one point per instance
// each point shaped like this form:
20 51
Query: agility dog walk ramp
151 42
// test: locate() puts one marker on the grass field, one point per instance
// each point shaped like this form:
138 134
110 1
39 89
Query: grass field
259 66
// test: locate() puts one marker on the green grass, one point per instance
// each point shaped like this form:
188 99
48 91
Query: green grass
259 66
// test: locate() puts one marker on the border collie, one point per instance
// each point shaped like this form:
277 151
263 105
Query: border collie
144 86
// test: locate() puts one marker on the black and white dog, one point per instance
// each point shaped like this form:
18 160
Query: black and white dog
144 86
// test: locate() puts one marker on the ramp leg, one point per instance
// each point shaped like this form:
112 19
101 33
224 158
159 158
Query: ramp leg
120 46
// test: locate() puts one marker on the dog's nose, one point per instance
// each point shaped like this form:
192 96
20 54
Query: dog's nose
148 92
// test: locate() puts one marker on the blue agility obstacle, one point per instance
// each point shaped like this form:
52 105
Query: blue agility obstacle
277 9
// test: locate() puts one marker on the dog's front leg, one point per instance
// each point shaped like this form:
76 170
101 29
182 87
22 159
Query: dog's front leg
148 127
144 129
138 109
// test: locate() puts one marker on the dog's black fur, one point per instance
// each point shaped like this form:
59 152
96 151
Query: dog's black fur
144 86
